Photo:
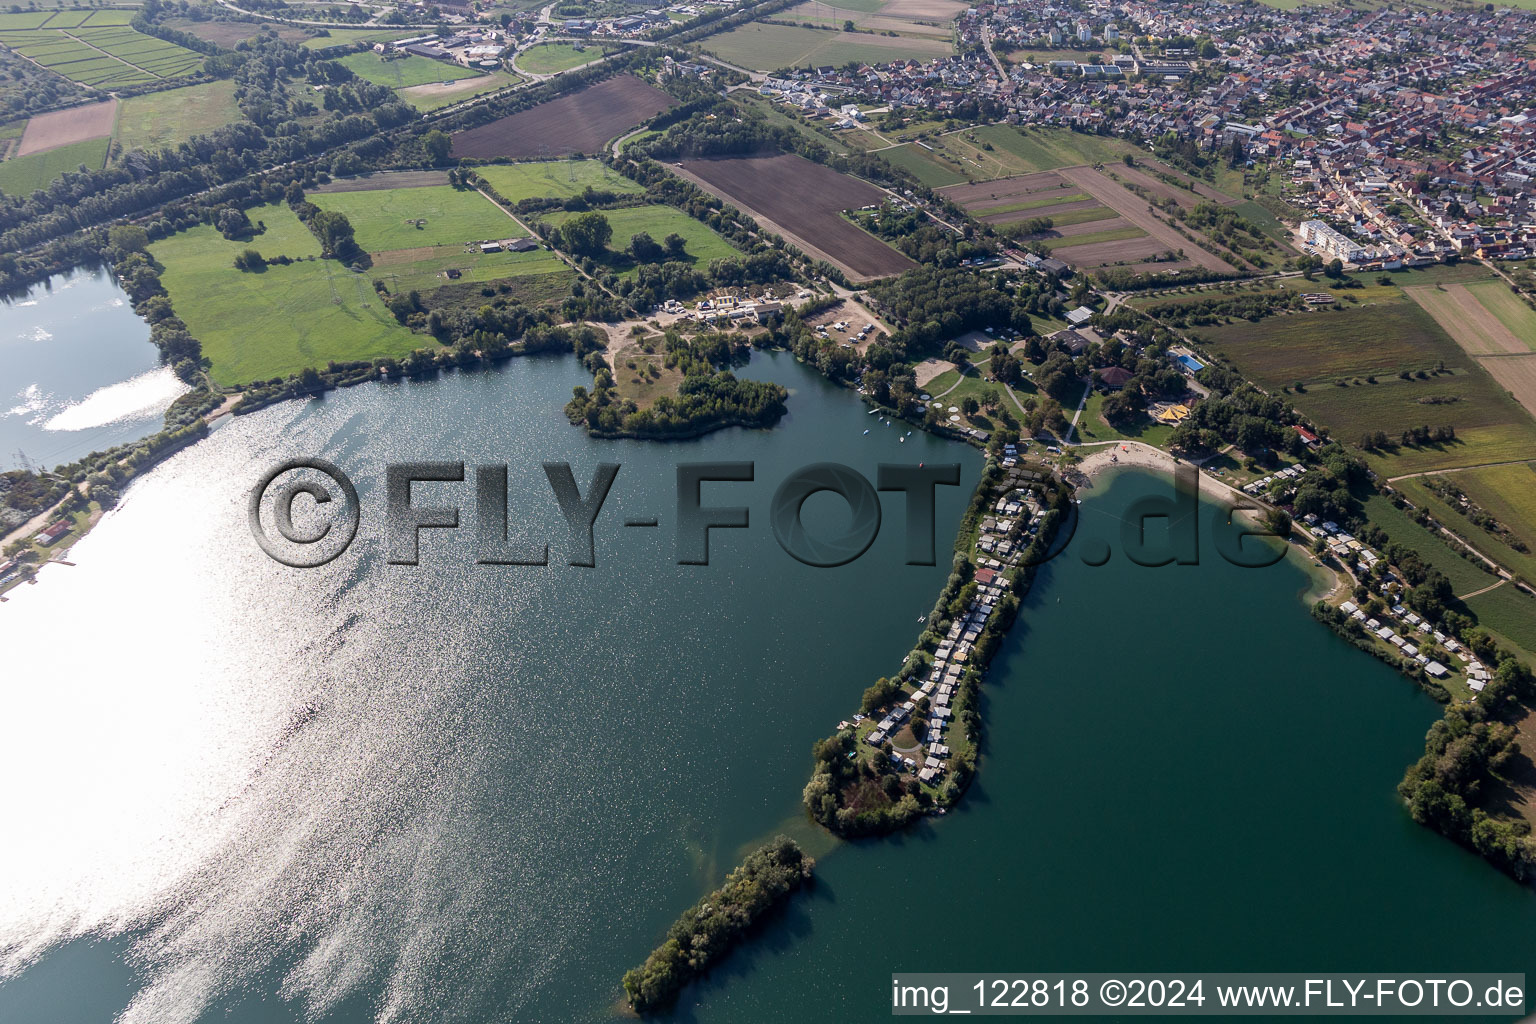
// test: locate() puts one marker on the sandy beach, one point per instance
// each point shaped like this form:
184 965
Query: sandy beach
1328 583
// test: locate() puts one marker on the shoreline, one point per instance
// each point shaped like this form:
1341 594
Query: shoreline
1324 582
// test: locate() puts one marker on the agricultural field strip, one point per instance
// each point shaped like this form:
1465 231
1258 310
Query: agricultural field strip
64 127
581 122
1465 319
1508 359
1515 374
1134 209
801 200
88 49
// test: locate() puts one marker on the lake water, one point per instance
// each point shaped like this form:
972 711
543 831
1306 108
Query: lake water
77 371
459 793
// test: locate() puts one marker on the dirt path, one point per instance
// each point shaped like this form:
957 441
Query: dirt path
1494 586
1134 209
1457 469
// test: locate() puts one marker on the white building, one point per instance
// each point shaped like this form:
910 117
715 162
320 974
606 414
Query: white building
1323 238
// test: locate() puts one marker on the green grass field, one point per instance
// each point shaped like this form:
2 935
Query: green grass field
403 72
1465 577
431 97
658 221
1092 426
922 165
767 47
425 270
346 36
255 326
1509 612
1385 334
1035 204
1505 492
1083 216
553 179
1027 150
1508 493
1374 338
411 218
551 58
283 234
159 120
15 21
24 175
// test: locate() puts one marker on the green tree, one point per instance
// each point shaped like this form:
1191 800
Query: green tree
335 234
438 145
128 238
587 234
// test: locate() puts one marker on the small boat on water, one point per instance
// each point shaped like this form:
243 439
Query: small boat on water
903 439
866 431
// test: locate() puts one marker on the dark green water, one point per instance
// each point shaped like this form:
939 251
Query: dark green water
1182 772
512 779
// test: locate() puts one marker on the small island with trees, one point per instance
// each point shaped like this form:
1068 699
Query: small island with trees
708 930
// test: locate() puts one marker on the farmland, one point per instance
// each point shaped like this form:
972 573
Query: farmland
1336 353
347 36
435 95
922 165
905 17
552 58
426 268
768 47
1006 201
158 120
1512 312
553 179
97 48
229 33
581 122
403 72
803 201
24 174
414 218
68 126
1509 612
1484 322
255 326
421 236
1507 493
1095 220
1028 150
1475 328
657 221
1133 212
